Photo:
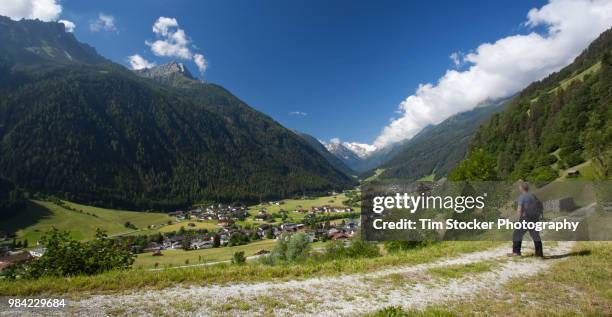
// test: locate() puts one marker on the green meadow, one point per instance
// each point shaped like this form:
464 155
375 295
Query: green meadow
82 221
171 258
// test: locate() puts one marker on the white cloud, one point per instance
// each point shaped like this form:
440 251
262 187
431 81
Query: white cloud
45 10
162 25
138 62
172 41
334 141
104 22
298 113
457 58
68 25
502 68
200 61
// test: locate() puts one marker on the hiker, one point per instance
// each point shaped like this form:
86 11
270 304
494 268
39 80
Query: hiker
529 209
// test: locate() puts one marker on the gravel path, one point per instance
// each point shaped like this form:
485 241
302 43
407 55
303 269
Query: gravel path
347 295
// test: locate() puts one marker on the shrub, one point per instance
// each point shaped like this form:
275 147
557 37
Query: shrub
65 256
238 258
547 160
237 238
543 174
288 248
573 159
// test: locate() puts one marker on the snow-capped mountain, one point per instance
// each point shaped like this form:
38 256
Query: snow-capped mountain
346 155
360 149
351 154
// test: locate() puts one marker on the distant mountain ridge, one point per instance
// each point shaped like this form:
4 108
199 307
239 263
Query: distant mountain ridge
88 130
438 148
344 154
331 158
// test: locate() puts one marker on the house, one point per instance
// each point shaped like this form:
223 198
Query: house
225 222
201 244
562 204
179 214
152 246
338 236
14 257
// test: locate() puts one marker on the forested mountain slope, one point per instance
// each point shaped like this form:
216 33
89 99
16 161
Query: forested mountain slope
91 131
554 123
437 149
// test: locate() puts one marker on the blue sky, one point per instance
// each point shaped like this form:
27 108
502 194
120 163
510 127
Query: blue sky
346 64
375 72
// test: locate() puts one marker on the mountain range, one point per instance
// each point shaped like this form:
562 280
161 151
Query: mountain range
77 126
434 150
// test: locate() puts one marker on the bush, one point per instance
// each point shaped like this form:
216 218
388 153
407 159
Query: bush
543 174
238 258
547 160
288 248
237 238
573 159
65 256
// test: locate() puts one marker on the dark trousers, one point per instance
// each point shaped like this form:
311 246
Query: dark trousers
517 240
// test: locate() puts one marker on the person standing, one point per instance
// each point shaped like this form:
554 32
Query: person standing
529 209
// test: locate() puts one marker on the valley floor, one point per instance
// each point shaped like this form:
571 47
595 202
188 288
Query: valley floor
487 282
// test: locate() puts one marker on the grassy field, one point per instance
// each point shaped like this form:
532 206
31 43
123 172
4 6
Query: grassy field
293 204
82 221
226 273
182 257
290 205
41 216
209 225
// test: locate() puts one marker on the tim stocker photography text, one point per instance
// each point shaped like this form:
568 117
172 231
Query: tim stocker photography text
453 224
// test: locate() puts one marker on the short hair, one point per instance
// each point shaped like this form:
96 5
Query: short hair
524 186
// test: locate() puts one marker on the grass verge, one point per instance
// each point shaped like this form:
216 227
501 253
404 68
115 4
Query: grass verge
119 281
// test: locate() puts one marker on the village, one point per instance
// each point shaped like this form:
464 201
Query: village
236 226
221 225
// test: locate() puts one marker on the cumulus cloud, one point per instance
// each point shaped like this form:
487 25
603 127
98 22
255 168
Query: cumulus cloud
45 10
334 141
200 61
298 113
104 22
172 41
500 69
138 62
68 25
